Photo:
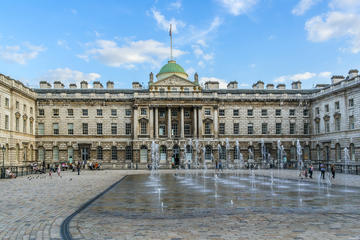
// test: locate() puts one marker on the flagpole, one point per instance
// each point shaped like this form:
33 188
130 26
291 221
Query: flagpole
171 55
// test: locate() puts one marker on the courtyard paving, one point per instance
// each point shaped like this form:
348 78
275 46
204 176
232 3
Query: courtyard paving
33 207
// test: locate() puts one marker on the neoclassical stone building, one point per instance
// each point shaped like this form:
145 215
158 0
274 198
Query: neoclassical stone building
117 126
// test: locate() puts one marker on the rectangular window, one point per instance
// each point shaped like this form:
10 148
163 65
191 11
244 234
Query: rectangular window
351 102
31 110
41 112
85 112
55 112
70 112
128 112
31 128
278 112
17 105
278 128
113 112
236 112
162 130
292 112
236 128
162 113
17 124
128 128
207 111
7 122
99 128
327 126
113 128
174 129
306 112
24 107
337 124
41 129
24 126
128 153
174 112
99 112
317 111
56 128
70 128
250 128
351 122
306 128
221 112
85 128
187 129
143 111
317 127
187 114
337 105
207 128
113 153
292 128
7 102
250 112
143 128
263 112
221 128
264 128
327 108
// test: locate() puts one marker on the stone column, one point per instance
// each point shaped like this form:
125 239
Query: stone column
169 122
195 122
216 129
182 123
151 122
135 121
156 122
200 123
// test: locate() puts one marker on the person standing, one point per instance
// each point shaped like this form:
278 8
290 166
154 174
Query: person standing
59 170
78 168
311 169
333 170
322 169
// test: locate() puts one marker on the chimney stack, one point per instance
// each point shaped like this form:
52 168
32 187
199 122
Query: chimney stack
45 84
72 85
84 84
281 86
337 78
58 84
110 85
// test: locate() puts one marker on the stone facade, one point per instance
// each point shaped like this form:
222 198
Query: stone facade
117 126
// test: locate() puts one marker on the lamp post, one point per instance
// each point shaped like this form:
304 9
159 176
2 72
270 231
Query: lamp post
3 168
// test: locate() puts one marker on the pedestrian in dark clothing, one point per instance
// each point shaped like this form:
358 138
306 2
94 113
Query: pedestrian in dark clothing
322 169
78 167
311 169
333 170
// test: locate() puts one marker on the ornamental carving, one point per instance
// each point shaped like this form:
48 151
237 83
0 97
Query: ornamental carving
17 115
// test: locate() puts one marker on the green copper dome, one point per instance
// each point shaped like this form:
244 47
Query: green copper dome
171 67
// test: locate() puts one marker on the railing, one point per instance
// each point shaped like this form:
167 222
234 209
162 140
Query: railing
17 170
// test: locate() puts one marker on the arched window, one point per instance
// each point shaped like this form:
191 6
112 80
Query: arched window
306 153
31 153
337 152
55 154
236 153
352 152
188 152
318 152
327 153
293 153
251 153
143 154
99 153
113 153
128 153
17 153
70 154
41 154
162 153
208 152
222 153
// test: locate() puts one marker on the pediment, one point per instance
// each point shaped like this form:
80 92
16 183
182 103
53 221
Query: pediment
174 81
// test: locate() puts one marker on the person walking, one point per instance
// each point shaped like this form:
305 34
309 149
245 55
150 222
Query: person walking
78 168
59 170
333 170
322 169
311 169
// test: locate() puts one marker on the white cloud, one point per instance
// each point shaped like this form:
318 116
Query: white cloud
244 85
64 44
238 7
348 5
303 6
164 24
20 54
301 77
222 82
67 76
190 71
176 5
253 65
335 25
135 52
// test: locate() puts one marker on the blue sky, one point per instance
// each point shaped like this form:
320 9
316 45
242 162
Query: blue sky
276 41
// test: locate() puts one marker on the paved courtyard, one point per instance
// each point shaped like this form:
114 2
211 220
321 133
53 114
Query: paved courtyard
34 207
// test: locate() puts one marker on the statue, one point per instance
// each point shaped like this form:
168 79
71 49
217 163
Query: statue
151 78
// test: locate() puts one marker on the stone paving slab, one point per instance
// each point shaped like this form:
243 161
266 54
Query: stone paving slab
33 207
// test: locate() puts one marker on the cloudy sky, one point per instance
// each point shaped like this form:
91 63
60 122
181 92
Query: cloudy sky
276 41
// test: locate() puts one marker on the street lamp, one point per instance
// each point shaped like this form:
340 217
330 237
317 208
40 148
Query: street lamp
3 168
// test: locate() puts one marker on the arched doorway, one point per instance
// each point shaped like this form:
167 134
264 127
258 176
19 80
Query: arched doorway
188 153
176 155
143 154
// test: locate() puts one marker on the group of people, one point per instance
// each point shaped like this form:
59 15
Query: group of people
308 172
